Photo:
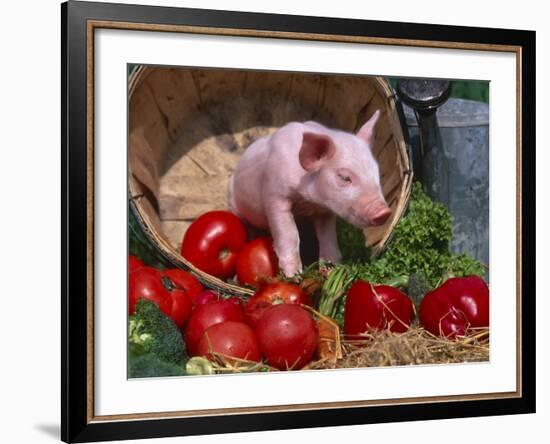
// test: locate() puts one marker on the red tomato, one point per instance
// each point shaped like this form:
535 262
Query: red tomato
204 316
134 263
257 261
455 306
235 300
151 284
377 307
288 336
230 338
181 307
271 294
185 280
212 242
146 283
205 296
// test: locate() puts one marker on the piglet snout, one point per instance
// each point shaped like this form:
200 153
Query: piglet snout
372 213
380 216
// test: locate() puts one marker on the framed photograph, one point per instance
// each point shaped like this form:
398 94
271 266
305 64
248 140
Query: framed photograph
275 222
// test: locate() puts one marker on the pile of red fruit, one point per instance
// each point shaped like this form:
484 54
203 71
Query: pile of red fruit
272 325
216 243
460 304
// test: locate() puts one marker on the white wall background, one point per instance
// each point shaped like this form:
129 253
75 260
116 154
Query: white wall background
30 218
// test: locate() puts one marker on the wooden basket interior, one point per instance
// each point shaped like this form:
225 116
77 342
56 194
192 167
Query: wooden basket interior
188 127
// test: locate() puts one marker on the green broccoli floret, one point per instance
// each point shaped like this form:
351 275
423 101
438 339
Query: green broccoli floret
417 287
146 365
152 332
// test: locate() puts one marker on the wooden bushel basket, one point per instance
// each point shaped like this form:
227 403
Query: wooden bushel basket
188 127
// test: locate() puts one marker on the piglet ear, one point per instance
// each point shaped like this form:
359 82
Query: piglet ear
367 130
315 151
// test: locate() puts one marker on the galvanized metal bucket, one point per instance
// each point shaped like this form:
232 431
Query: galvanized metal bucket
464 186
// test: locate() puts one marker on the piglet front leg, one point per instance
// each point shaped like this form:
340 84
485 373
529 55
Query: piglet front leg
325 229
286 240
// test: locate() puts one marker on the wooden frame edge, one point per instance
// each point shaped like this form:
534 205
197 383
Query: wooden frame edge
76 14
285 408
103 24
236 32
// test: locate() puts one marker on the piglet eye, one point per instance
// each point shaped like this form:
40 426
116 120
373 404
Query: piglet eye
344 178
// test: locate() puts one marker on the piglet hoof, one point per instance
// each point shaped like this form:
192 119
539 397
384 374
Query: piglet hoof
334 256
290 266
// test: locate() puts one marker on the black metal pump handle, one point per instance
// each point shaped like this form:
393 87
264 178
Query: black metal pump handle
425 97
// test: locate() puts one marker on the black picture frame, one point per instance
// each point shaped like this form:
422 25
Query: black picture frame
77 425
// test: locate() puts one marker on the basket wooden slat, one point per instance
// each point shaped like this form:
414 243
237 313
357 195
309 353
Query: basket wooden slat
188 128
